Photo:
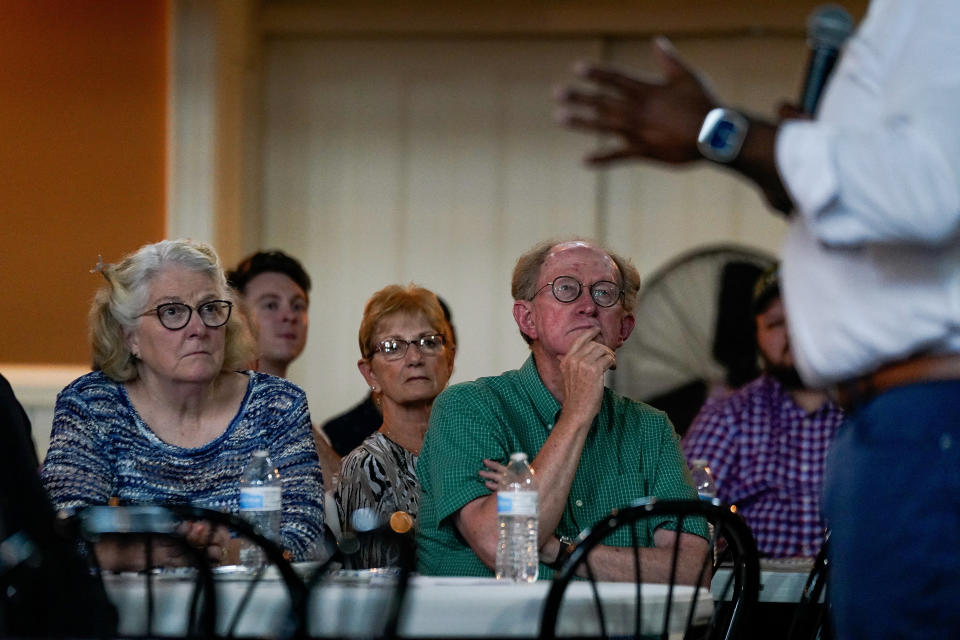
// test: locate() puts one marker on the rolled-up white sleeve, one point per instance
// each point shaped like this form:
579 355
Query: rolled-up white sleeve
881 164
898 186
804 159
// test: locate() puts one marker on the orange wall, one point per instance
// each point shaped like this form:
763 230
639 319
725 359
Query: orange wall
82 152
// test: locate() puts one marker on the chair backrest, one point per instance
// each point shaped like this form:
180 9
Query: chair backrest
392 536
275 557
146 525
677 610
140 529
45 587
811 620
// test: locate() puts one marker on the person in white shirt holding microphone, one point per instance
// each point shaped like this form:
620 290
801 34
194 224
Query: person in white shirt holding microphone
871 281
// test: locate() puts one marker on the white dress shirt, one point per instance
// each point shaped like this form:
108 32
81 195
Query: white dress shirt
871 265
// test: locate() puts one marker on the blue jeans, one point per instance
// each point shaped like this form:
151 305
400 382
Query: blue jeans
892 500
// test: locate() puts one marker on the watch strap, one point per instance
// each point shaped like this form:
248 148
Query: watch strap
566 545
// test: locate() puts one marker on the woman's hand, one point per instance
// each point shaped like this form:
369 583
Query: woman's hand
493 474
206 536
120 553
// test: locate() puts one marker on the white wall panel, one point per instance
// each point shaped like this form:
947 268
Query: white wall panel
437 162
655 213
191 206
427 161
36 387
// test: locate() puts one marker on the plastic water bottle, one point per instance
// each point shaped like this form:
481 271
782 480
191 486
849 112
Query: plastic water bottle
518 556
260 504
706 488
703 479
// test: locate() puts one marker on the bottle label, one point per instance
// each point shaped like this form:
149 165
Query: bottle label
520 503
260 498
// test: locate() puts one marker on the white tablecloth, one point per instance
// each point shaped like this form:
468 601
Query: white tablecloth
781 580
435 607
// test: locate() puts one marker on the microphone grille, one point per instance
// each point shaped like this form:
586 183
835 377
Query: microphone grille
829 26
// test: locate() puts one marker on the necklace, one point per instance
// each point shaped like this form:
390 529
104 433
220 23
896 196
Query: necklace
403 441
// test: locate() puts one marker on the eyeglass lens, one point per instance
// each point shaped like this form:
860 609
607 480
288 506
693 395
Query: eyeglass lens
176 315
395 348
568 288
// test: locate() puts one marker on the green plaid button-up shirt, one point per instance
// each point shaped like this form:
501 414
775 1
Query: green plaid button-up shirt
631 452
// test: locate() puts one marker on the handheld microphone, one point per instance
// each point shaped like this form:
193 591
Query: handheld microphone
828 27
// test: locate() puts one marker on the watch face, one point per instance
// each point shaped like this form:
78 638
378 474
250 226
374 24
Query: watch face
720 137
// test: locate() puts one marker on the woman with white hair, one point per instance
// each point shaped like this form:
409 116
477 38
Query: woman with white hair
165 417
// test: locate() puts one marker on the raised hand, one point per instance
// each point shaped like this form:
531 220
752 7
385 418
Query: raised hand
657 119
582 369
203 535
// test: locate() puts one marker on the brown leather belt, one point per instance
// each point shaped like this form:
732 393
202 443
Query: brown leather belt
914 370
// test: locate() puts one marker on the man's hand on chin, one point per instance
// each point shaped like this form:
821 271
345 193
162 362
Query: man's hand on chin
583 368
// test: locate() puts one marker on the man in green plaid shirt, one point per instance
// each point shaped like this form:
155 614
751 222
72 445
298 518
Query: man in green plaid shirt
591 449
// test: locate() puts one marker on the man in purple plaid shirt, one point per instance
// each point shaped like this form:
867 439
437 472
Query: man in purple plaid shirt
767 443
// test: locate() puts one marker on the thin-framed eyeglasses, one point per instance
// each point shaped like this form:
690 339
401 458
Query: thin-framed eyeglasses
567 289
396 348
176 315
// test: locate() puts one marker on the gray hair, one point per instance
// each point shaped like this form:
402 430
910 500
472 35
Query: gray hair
118 304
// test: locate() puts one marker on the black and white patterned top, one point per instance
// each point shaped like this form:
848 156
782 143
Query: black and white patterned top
380 475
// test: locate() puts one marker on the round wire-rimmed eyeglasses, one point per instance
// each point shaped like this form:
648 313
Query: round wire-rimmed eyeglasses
567 289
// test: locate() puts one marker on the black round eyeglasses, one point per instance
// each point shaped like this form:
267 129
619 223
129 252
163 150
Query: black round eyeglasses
567 289
176 315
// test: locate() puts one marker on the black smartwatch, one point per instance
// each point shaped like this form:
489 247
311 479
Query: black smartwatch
722 134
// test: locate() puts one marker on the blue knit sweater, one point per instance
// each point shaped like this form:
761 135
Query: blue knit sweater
101 448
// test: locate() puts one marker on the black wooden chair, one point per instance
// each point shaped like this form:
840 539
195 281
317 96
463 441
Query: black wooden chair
275 558
811 620
394 534
46 589
145 525
729 537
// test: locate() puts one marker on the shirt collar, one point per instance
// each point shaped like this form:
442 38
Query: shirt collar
543 401
780 394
